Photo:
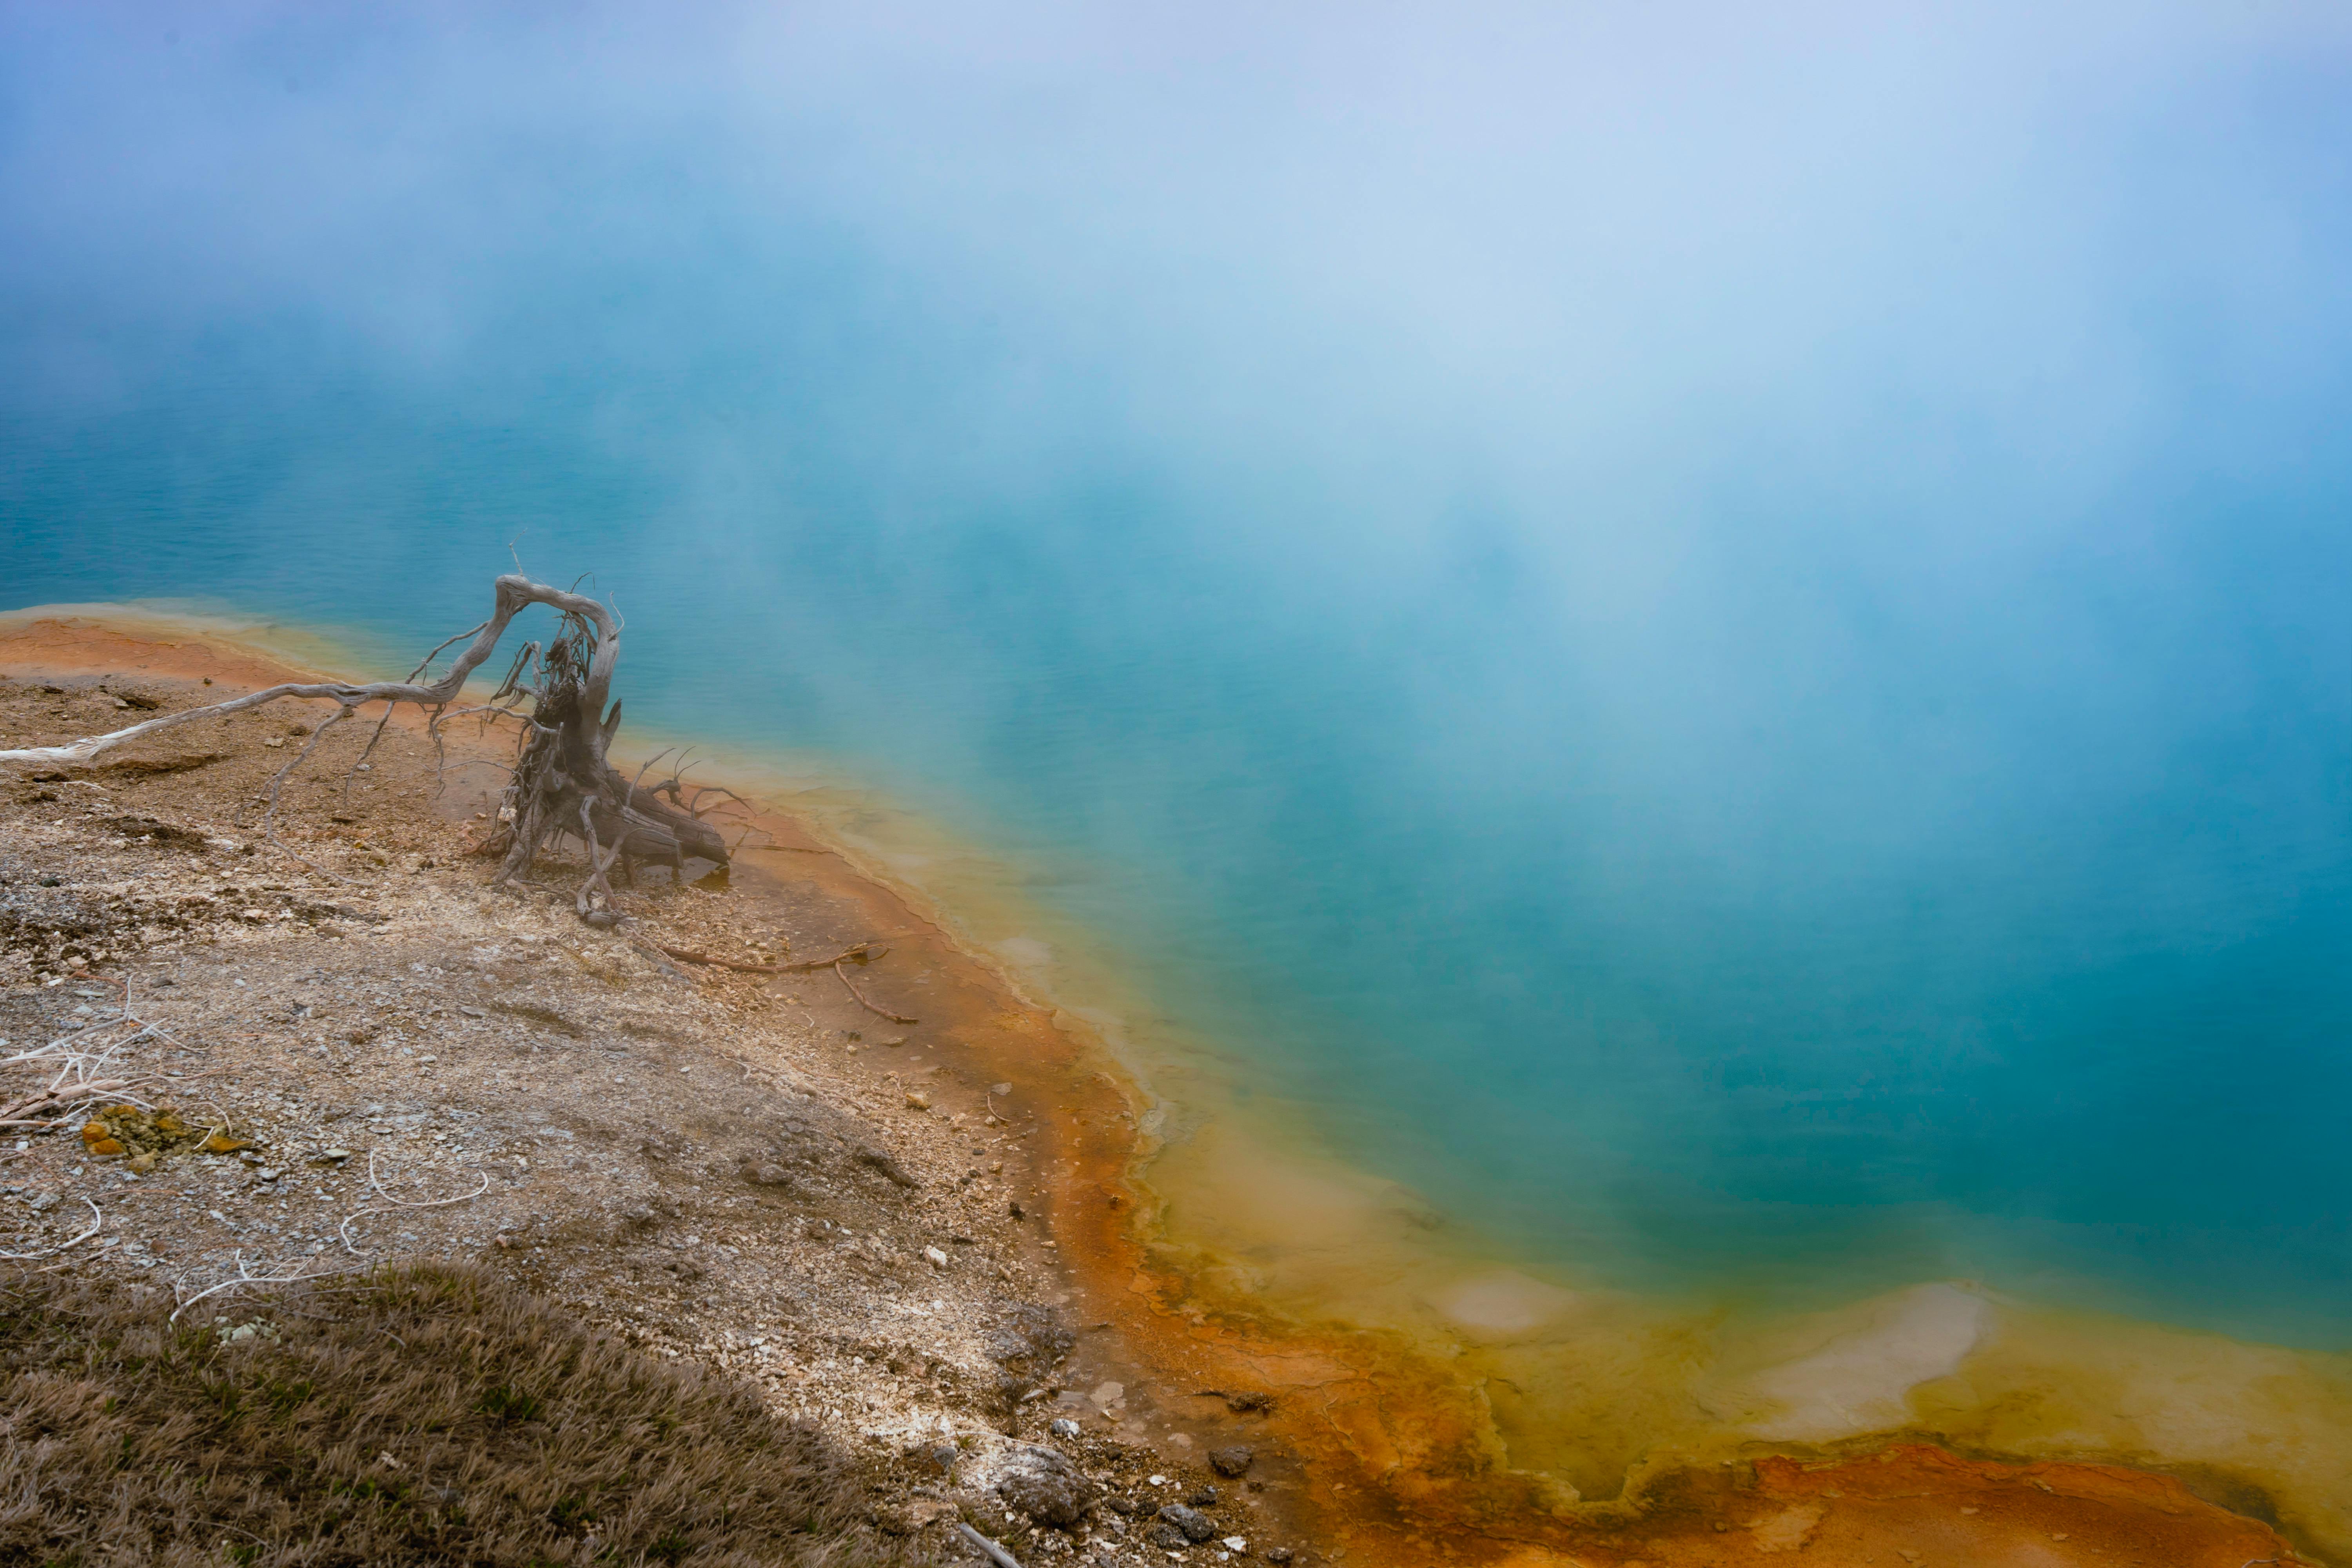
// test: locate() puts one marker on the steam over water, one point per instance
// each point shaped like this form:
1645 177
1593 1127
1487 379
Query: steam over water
1719 638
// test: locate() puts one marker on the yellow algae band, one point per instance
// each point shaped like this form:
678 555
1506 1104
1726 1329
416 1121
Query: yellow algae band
1591 1389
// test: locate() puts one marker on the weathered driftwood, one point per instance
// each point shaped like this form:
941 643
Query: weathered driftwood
562 784
515 595
863 952
65 1096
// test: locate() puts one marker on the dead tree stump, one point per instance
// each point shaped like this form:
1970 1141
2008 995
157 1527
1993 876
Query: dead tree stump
563 783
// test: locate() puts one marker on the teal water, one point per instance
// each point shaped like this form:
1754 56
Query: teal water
1752 707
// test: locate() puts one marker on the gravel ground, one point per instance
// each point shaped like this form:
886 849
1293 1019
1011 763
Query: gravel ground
376 1057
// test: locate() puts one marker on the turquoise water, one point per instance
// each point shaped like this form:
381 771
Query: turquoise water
1752 709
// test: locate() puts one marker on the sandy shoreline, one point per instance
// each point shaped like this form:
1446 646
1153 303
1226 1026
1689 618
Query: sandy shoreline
1382 1444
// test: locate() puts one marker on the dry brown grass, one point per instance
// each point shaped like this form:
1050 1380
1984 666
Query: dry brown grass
424 1416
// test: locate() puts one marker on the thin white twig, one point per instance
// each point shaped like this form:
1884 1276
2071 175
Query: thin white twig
419 1202
344 1230
97 1224
423 665
270 817
246 1277
79 1059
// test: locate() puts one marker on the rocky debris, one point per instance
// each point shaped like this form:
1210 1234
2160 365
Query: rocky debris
1032 1337
1196 1525
682 1163
154 830
1046 1487
880 1160
1233 1462
1278 1555
142 1139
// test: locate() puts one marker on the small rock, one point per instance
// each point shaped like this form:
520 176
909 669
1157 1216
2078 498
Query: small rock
917 1101
471 1012
939 1260
1195 1525
878 1159
1168 1538
1044 1486
1063 1427
1236 1544
1231 1462
1203 1497
1276 1554
267 1173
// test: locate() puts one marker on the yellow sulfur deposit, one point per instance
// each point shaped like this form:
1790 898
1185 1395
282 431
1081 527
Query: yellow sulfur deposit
144 1139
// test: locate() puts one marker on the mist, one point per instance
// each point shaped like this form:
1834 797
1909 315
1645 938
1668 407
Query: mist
1682 580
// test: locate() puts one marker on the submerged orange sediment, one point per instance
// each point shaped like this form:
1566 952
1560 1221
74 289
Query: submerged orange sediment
1445 1406
1442 1406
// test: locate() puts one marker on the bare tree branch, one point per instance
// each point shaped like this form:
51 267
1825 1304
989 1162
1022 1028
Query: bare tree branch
878 1011
514 596
278 779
